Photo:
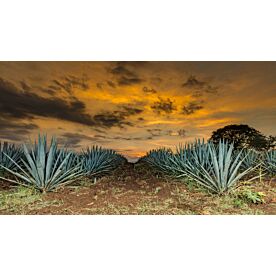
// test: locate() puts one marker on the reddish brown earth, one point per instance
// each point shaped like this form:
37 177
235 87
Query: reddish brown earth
136 189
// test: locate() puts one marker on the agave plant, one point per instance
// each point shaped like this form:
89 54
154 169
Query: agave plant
9 150
160 159
269 162
44 168
251 158
224 171
192 154
215 167
97 161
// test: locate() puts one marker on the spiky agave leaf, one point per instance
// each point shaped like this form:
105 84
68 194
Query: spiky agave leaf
160 159
215 167
269 162
192 154
223 172
251 158
11 150
43 168
98 161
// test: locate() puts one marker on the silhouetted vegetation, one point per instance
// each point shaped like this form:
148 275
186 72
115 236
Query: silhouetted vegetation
244 136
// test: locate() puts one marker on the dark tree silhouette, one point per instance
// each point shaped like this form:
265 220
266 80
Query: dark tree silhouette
243 136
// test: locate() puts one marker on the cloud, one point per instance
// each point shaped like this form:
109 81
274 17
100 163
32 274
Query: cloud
164 106
117 118
200 87
192 82
155 132
18 104
124 81
124 76
149 90
121 70
110 119
99 85
25 86
191 108
130 110
211 89
182 132
15 103
69 83
130 138
16 131
156 80
111 84
73 140
134 63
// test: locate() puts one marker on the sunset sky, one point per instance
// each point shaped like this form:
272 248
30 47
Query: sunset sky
133 107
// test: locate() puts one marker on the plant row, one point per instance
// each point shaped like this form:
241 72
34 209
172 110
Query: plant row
48 167
216 167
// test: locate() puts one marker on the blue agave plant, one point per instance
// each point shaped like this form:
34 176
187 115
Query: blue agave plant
97 161
215 167
7 152
44 168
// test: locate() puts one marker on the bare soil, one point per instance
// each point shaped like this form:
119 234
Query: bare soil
134 189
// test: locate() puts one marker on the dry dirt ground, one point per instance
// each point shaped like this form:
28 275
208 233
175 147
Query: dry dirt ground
138 189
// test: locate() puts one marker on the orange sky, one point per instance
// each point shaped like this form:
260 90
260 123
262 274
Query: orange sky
133 107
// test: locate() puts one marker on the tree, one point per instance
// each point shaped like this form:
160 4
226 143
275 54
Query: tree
244 136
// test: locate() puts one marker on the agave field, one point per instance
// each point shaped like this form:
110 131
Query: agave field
196 178
218 168
49 168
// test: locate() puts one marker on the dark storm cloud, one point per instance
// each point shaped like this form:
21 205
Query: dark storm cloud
163 106
26 105
191 108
